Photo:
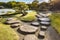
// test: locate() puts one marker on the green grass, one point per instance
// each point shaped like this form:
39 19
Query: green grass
6 33
55 21
29 17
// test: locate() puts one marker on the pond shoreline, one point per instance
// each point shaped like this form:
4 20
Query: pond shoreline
53 35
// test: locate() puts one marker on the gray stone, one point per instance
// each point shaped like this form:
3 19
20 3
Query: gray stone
35 23
43 27
44 19
43 14
28 29
13 22
38 16
30 37
42 34
15 25
45 23
9 19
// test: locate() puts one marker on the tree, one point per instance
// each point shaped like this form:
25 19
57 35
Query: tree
21 7
11 4
34 5
44 6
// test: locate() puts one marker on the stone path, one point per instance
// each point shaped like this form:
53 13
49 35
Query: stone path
37 30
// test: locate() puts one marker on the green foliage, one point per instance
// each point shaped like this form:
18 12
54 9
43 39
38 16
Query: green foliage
44 6
29 17
55 21
21 7
2 20
6 33
34 5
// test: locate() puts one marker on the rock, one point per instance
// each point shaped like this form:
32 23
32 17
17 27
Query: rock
38 16
30 37
28 29
42 34
9 19
13 22
43 28
43 14
35 23
44 19
45 23
15 25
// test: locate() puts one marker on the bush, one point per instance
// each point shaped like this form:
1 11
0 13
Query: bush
30 16
6 33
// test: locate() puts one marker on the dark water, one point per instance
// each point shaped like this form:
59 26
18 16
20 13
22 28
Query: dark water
52 34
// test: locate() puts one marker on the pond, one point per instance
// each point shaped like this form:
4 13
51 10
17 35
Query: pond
4 11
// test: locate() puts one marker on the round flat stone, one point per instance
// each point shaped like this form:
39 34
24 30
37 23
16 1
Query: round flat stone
12 22
28 29
15 25
30 37
43 27
43 14
44 19
9 19
35 23
42 33
45 23
38 16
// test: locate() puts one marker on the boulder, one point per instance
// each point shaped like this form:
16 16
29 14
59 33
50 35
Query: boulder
30 37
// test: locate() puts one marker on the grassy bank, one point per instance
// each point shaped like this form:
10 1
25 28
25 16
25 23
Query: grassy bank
55 21
6 33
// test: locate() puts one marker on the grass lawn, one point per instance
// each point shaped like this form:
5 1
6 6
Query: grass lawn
6 33
55 21
29 17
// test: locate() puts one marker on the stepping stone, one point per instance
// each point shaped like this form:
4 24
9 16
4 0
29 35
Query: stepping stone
42 34
28 29
13 22
15 25
38 16
35 23
9 19
44 19
30 37
43 27
45 23
43 14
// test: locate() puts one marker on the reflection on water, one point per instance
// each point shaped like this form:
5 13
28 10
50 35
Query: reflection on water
4 11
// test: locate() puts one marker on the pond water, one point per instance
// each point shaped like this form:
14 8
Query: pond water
4 11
